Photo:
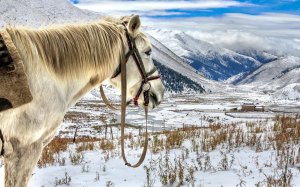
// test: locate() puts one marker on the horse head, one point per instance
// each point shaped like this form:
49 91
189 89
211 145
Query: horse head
144 85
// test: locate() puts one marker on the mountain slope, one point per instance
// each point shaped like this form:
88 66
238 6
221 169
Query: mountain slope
41 12
170 60
279 77
261 56
176 82
273 71
214 62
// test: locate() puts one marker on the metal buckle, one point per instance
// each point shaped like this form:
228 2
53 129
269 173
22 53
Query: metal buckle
146 86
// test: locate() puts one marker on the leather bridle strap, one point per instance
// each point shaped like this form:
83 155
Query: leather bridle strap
123 120
146 77
137 58
106 101
146 92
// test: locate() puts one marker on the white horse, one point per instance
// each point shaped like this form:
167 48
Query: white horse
63 63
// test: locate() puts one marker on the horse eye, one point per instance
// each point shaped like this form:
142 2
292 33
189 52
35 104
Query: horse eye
148 52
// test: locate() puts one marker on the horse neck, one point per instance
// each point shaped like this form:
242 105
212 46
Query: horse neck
51 91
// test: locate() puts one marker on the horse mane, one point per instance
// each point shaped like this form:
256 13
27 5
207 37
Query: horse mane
71 51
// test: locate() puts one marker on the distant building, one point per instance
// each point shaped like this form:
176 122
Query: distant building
247 107
250 107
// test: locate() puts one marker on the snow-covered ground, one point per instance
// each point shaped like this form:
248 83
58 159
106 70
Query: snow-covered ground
250 162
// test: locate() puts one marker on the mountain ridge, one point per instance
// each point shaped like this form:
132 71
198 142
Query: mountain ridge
280 78
214 62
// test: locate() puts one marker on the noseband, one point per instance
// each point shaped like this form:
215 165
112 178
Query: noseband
146 77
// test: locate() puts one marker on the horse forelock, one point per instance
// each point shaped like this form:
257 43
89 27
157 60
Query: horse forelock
71 51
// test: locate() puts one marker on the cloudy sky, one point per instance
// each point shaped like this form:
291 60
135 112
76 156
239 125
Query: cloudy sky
260 23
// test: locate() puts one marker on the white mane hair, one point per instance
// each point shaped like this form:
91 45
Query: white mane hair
72 51
75 50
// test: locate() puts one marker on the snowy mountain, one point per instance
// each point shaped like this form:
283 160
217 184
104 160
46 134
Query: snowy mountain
273 71
279 77
170 60
261 56
214 62
41 12
171 80
258 69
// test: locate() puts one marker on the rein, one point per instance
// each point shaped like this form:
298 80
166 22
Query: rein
144 87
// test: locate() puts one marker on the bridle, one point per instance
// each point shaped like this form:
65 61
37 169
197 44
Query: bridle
144 87
146 76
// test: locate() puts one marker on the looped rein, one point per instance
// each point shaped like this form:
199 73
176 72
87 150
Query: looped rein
123 120
145 88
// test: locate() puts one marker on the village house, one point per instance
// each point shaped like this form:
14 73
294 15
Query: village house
250 107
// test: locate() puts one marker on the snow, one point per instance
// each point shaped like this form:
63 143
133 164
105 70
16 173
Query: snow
196 51
279 78
171 60
290 92
39 13
175 112
269 71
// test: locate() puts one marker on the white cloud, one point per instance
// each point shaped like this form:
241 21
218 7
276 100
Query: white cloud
266 31
271 17
269 31
269 24
144 7
157 13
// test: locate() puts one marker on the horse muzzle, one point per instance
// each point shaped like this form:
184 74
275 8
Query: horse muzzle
156 98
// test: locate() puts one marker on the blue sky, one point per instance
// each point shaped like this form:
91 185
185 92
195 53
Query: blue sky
254 7
209 8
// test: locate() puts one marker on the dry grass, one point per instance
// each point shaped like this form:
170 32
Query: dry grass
51 154
106 145
281 135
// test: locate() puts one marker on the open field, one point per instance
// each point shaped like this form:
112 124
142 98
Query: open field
192 143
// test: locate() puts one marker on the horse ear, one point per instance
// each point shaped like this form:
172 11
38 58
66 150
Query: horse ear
134 25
